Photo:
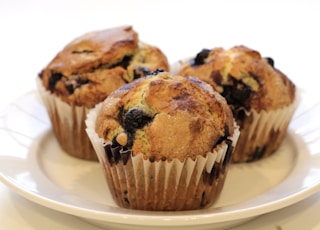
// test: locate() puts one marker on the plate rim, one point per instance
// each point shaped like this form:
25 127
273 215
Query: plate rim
163 220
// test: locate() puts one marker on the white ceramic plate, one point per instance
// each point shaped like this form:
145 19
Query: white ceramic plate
33 165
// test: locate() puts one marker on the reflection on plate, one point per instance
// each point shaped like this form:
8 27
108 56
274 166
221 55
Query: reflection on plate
32 164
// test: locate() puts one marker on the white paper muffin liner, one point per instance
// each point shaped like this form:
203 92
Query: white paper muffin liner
68 124
263 132
138 183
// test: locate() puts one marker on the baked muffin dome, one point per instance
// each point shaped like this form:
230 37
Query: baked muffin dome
164 142
243 77
251 84
93 65
165 117
84 73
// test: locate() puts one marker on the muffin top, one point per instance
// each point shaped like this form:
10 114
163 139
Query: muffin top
93 65
165 117
247 80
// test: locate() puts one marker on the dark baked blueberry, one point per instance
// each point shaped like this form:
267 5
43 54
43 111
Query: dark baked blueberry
136 119
242 93
124 63
70 88
239 113
155 72
201 57
130 139
132 120
54 78
216 77
75 82
237 94
270 61
140 71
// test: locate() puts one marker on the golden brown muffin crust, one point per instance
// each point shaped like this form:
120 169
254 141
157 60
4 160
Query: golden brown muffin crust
184 117
243 76
92 66
94 49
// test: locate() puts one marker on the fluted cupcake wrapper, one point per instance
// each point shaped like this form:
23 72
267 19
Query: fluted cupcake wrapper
138 183
68 124
262 133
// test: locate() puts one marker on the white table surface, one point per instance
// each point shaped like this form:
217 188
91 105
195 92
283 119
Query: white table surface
32 32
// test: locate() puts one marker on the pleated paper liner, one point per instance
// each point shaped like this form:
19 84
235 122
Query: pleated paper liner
68 124
262 133
140 183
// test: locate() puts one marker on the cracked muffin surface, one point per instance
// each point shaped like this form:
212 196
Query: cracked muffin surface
165 142
84 73
93 65
262 98
245 78
165 117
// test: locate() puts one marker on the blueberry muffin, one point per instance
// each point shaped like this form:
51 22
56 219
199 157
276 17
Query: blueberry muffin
262 98
164 142
84 73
